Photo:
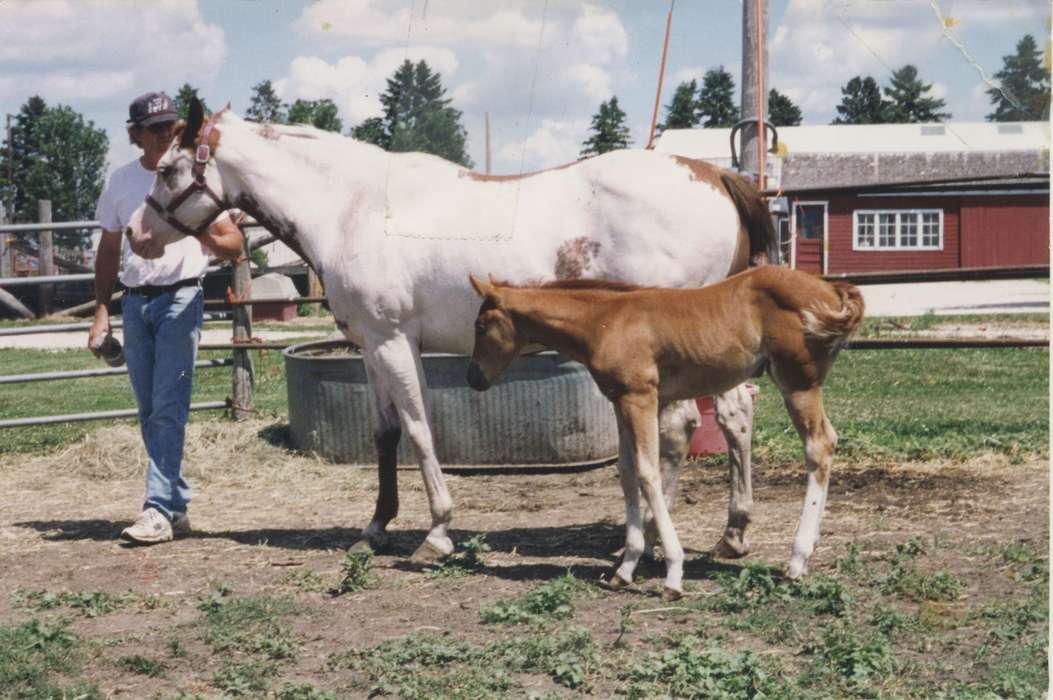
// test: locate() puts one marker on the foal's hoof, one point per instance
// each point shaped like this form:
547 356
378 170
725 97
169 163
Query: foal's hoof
428 554
725 549
617 583
671 594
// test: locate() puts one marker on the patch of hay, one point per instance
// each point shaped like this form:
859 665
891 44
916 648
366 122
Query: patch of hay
219 451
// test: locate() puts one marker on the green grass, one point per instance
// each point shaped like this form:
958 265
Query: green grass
922 404
35 659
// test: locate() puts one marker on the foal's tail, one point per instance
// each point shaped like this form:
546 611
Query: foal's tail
753 212
835 326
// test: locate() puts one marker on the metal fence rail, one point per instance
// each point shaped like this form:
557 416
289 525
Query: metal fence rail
109 371
98 415
86 325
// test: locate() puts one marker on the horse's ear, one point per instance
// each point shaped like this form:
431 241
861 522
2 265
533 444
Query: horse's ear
193 123
481 288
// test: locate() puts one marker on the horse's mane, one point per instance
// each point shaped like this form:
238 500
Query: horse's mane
575 284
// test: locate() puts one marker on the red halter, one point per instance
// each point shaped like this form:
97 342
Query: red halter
201 157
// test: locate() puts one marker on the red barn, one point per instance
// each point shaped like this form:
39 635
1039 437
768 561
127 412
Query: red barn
858 198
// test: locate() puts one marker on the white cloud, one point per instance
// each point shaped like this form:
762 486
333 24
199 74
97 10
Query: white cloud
819 46
353 83
551 144
454 23
66 50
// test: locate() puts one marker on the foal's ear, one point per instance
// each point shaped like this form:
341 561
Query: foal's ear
481 288
193 123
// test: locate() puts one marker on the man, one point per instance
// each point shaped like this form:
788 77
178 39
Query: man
162 311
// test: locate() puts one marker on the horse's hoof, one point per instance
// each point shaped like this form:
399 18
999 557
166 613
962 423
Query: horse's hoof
798 567
363 545
671 594
617 583
724 549
428 554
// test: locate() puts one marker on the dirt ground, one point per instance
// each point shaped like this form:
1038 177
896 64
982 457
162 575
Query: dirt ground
261 512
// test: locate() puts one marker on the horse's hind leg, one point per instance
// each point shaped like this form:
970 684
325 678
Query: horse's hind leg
386 434
820 440
676 424
634 533
734 412
399 370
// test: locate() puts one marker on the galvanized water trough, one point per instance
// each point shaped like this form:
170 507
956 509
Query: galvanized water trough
545 410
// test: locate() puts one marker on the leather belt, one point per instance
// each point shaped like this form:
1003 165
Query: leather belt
155 290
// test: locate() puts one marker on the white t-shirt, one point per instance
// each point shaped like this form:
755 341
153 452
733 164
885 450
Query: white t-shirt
185 259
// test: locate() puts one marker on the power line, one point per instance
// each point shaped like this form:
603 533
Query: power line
953 38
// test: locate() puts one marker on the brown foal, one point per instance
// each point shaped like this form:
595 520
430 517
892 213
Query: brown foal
647 347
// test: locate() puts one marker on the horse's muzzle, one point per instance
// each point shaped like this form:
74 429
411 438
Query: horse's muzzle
476 378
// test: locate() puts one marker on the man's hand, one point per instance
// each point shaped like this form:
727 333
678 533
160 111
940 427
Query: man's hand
224 239
100 328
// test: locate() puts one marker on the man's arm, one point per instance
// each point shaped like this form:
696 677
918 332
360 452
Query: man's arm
107 262
224 239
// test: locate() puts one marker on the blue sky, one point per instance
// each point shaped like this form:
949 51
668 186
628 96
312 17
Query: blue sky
540 68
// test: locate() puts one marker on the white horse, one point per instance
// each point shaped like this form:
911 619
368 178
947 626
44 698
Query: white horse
394 236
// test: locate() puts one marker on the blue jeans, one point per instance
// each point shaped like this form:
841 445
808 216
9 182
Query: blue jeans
160 345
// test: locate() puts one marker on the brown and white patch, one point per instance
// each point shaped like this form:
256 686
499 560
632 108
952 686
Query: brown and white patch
268 132
574 257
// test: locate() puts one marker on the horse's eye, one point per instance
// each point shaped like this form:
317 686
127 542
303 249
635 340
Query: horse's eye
164 171
480 328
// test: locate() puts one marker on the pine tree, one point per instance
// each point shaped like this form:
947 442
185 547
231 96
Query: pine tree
321 114
861 103
781 109
682 112
372 131
1024 80
909 105
716 99
609 130
417 116
183 98
265 106
56 155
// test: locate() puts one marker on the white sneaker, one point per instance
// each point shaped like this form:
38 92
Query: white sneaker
151 527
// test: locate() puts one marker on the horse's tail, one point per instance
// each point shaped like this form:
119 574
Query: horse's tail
835 326
753 212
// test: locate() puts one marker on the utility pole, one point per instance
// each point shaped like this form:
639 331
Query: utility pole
7 267
754 90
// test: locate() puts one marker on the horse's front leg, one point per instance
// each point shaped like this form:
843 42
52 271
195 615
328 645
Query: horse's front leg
387 429
638 414
676 424
398 368
734 411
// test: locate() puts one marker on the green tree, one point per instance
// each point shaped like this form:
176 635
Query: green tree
322 114
861 103
1023 79
781 109
56 155
417 116
609 132
682 112
182 100
265 105
716 99
372 131
908 103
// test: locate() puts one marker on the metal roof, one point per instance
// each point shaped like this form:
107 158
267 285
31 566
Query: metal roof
850 155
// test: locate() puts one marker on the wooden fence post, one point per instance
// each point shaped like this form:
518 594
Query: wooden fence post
314 288
45 259
243 375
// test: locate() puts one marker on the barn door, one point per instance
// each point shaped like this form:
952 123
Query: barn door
809 224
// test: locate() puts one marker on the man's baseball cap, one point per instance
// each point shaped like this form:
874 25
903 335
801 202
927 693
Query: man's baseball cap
152 108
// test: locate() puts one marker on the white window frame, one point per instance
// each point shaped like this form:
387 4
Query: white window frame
900 213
